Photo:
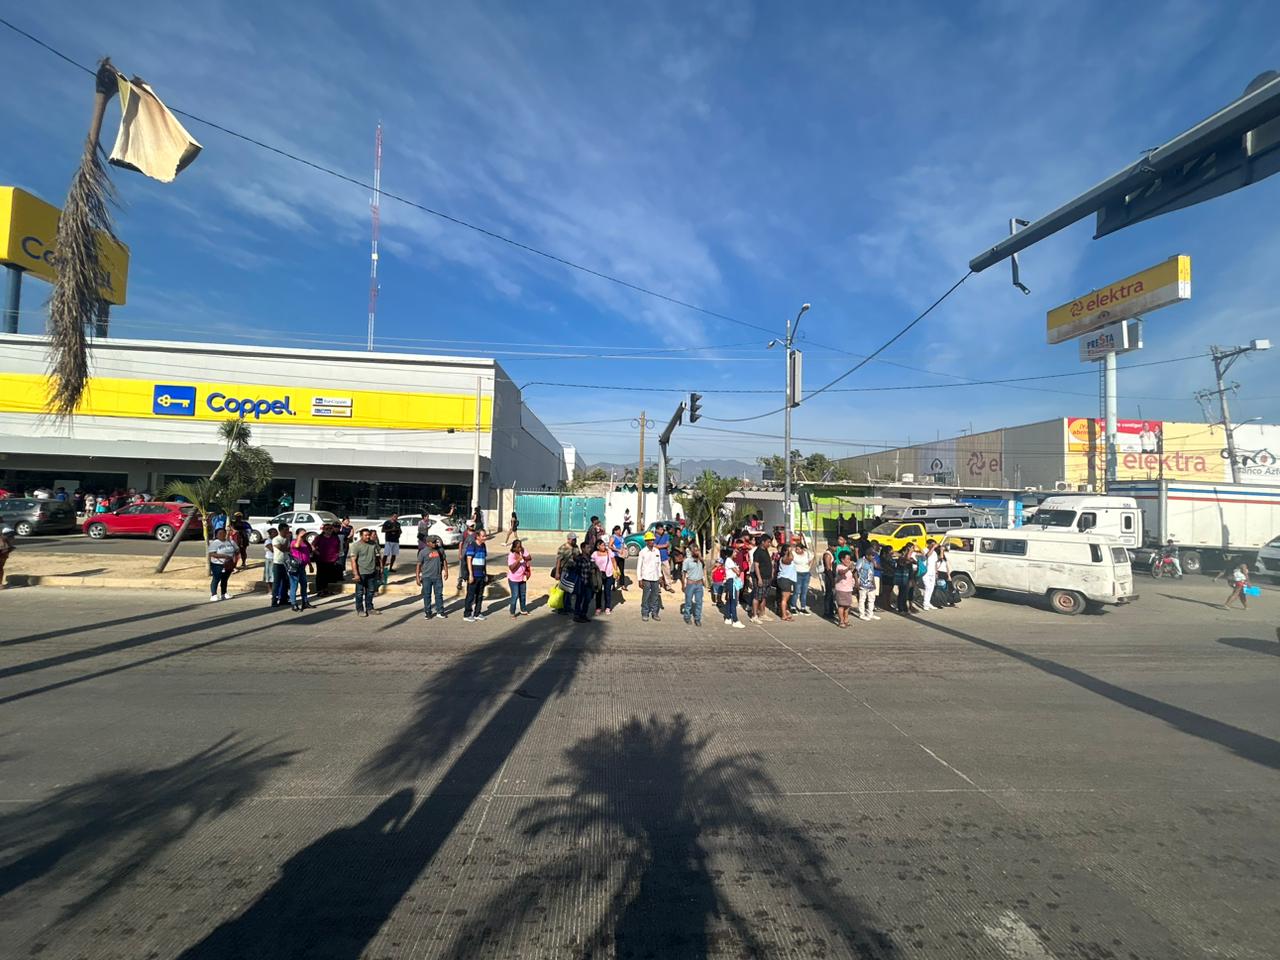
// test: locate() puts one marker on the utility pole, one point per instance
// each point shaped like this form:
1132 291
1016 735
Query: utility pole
1113 439
792 359
640 477
1223 358
475 462
375 209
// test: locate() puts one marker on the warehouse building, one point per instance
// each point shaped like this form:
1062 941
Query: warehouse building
353 432
1068 453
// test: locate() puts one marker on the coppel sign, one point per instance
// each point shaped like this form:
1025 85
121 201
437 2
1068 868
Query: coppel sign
244 407
179 400
28 228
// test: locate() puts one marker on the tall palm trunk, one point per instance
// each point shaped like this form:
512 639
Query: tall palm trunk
81 276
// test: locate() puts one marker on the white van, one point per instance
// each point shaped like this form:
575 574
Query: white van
1073 570
1117 517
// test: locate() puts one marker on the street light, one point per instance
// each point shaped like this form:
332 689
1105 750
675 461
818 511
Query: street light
792 400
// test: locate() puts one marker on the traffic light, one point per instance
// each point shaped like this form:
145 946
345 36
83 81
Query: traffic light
695 407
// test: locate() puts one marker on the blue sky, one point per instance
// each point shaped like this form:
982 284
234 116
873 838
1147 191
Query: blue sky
744 157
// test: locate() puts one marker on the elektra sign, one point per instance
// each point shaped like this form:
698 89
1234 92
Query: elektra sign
248 406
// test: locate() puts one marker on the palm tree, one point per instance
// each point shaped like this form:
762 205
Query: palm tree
244 469
201 494
706 504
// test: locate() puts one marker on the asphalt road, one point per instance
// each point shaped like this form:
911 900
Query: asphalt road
184 779
76 543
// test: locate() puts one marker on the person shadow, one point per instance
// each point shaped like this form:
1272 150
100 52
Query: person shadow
1270 648
310 911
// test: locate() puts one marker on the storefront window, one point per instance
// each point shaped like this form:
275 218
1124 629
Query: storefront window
354 498
18 482
266 502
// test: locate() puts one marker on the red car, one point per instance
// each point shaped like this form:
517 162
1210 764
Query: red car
159 520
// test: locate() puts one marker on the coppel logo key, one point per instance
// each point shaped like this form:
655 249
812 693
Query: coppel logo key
173 400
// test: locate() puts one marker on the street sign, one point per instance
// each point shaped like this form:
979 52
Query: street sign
1155 287
1117 338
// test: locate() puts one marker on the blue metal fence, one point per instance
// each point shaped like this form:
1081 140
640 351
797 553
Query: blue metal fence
556 511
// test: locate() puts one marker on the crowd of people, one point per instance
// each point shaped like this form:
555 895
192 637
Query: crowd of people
86 502
754 575
763 575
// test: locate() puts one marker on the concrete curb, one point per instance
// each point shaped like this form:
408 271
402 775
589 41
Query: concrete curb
495 591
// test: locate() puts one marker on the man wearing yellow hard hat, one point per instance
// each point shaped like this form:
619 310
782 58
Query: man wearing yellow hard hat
652 578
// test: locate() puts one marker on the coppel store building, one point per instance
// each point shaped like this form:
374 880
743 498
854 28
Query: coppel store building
358 433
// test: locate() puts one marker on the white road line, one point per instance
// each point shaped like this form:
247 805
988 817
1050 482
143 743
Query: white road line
1015 939
959 773
488 801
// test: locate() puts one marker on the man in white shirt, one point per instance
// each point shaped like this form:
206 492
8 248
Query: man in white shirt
652 579
732 584
280 585
930 578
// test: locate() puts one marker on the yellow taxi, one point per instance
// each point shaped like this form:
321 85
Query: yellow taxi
896 534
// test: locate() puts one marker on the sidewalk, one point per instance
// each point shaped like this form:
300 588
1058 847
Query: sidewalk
186 573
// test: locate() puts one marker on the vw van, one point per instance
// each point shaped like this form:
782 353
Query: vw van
1071 570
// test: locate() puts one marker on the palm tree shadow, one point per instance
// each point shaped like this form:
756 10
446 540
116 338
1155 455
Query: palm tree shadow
335 894
454 701
115 824
643 797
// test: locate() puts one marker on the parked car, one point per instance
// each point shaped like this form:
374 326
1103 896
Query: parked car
1268 562
1072 570
448 531
310 520
151 519
29 516
635 542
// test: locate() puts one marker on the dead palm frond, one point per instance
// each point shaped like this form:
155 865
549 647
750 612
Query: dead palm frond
86 216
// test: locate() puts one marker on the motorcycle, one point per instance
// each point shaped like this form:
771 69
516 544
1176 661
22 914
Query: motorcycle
1162 566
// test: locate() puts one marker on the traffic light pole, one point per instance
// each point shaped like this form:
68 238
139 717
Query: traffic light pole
664 439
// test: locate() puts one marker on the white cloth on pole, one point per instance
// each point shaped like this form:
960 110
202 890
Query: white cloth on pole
150 139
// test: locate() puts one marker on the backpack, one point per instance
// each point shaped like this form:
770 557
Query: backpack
921 567
717 575
291 565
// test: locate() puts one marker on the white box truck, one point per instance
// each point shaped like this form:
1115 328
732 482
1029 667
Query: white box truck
1212 524
1118 517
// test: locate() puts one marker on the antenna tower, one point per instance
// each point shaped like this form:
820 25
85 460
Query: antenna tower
374 209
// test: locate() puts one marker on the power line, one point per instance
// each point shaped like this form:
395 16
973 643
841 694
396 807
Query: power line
861 363
892 340
457 221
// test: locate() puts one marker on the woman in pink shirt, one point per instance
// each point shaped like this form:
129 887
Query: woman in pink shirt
603 559
301 553
519 564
